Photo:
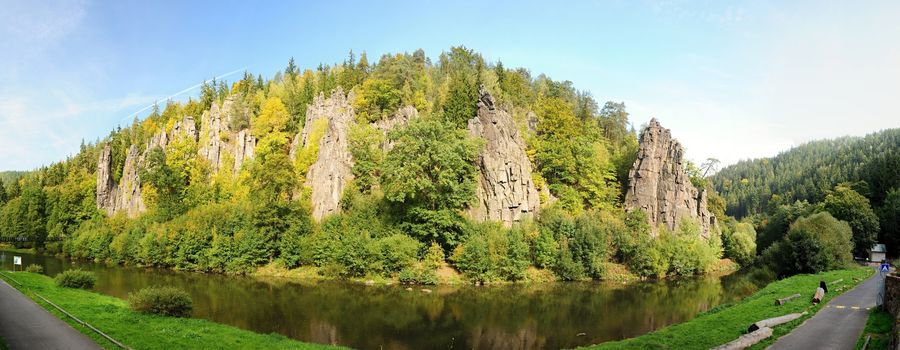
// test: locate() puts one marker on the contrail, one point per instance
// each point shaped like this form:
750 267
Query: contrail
184 91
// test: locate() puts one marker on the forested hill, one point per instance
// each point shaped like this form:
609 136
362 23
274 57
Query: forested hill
870 163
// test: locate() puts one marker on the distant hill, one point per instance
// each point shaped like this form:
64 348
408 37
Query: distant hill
807 171
9 176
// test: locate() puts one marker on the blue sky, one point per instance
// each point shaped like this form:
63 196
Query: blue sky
733 80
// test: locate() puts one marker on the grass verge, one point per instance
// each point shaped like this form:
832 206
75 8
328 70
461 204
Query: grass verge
721 325
879 327
141 331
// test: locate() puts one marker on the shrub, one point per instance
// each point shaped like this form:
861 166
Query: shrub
566 268
740 243
76 279
815 243
34 268
545 250
396 252
166 301
473 259
515 261
418 275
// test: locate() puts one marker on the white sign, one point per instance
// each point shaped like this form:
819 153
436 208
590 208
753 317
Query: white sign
17 260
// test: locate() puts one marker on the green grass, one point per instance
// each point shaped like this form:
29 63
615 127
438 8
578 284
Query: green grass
879 327
142 331
722 325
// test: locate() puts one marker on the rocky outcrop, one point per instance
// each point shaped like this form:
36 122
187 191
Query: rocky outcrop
126 195
329 174
659 186
505 190
219 142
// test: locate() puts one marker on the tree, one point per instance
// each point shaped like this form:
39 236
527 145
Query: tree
846 204
272 118
168 183
815 243
430 173
2 193
889 213
740 243
291 70
376 98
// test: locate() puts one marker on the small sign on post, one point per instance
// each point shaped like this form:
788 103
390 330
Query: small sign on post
885 267
17 260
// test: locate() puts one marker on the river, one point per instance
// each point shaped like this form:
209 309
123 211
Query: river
552 316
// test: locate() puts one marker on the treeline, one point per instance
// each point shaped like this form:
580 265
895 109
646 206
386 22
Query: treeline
817 176
401 216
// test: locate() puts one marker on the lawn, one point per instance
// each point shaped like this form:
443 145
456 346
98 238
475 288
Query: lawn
142 331
724 324
879 327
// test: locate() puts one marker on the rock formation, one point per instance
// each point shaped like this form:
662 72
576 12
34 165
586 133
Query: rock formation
332 170
659 186
505 190
219 142
125 196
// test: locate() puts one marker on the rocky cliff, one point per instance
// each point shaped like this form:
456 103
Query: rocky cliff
125 196
659 186
329 174
397 120
505 190
219 143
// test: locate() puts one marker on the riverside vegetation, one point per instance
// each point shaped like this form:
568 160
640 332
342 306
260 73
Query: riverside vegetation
407 190
403 214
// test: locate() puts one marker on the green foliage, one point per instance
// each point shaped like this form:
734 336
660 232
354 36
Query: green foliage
376 98
397 252
473 259
683 252
430 173
516 258
546 250
34 268
76 279
846 204
808 171
24 218
365 146
740 243
889 213
815 243
165 301
167 182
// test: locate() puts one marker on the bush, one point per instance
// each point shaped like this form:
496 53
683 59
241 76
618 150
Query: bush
76 279
473 259
166 301
515 261
418 275
815 243
34 268
397 252
740 243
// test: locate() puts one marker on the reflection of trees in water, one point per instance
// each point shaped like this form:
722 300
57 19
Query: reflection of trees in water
496 317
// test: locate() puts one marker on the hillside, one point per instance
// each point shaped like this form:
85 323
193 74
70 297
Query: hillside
395 169
808 171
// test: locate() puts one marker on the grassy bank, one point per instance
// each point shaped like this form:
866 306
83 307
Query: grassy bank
878 326
142 331
725 323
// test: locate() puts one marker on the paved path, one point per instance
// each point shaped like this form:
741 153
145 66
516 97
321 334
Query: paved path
839 324
26 325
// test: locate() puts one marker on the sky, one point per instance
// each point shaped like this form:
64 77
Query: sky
732 80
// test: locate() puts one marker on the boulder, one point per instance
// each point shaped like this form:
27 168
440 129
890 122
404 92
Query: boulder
505 190
659 186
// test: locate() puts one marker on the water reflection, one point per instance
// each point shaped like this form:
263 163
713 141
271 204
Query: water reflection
556 315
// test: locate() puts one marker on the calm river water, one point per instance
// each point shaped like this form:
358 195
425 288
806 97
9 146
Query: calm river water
552 316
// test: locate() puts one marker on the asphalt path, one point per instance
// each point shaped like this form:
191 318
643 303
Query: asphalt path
839 324
26 325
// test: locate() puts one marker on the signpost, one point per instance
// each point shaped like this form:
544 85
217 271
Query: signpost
17 260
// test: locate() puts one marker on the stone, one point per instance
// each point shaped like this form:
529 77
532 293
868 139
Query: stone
505 191
218 141
125 196
329 174
659 186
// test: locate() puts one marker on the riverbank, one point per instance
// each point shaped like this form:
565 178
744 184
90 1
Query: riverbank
142 331
726 323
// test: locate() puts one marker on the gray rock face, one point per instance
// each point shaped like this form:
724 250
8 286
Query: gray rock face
125 196
220 142
332 170
659 186
505 192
